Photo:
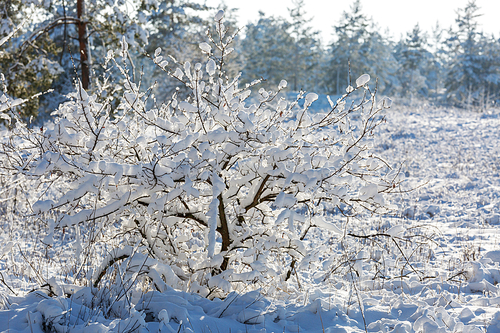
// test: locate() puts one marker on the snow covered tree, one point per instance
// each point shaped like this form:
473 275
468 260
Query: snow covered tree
412 56
358 48
60 41
380 62
173 26
177 27
276 48
28 71
350 34
212 191
267 50
305 50
436 64
467 80
491 91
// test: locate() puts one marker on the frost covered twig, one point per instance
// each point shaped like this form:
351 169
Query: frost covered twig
2 279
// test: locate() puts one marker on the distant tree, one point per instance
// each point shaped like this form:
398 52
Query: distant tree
347 49
491 63
380 61
412 56
275 48
358 47
435 72
176 24
470 73
267 48
176 27
305 50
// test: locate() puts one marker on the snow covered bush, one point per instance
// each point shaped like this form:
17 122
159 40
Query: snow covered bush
211 192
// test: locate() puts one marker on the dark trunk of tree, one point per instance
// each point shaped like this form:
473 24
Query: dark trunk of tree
224 231
82 40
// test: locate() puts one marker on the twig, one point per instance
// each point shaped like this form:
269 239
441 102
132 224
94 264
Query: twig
5 283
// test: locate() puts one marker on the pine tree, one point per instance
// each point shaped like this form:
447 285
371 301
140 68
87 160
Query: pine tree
305 51
27 71
267 47
435 70
379 61
412 56
173 23
346 52
358 48
57 42
176 27
468 68
276 48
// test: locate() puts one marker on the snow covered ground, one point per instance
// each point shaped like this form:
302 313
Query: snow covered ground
432 266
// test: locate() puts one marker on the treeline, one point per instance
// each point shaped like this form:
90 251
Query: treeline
459 66
56 41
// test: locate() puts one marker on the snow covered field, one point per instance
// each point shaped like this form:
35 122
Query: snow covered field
432 266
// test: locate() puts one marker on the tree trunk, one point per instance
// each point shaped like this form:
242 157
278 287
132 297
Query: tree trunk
82 40
224 231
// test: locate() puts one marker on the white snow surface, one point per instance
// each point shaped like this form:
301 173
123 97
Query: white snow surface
449 284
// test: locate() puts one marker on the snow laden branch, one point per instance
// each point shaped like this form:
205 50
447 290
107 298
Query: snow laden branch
222 187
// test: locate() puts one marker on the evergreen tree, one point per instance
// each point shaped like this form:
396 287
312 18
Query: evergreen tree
27 71
267 50
435 70
469 68
490 92
379 61
174 23
347 55
413 57
176 27
358 48
277 49
305 50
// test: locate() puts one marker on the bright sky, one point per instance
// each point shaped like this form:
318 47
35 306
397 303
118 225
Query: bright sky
398 15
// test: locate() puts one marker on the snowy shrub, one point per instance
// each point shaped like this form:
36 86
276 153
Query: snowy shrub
202 194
